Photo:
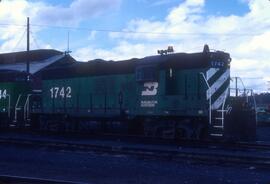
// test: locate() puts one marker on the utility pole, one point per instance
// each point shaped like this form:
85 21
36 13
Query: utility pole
236 90
67 51
28 46
68 43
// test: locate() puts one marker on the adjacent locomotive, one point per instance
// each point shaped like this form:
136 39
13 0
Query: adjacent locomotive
175 95
14 89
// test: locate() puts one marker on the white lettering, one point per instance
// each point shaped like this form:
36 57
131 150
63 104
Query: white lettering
3 93
151 103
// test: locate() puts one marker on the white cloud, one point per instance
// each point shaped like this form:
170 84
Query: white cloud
180 20
123 49
162 2
92 35
257 43
78 10
14 12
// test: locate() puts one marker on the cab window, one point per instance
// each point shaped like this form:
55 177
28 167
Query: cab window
171 82
146 73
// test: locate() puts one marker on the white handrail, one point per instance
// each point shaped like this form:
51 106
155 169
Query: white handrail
8 105
223 105
8 108
26 108
255 105
210 98
15 114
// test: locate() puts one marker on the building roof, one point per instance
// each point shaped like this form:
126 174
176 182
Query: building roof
38 60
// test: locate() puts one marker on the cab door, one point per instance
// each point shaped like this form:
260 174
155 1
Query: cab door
147 89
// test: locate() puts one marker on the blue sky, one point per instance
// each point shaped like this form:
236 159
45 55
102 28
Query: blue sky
240 27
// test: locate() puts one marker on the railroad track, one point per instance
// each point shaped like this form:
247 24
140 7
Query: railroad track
256 146
32 180
249 145
248 156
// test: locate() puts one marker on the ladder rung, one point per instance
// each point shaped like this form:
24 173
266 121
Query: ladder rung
18 109
222 110
220 118
216 126
11 125
217 135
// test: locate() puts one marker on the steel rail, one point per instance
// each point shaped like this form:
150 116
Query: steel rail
180 154
29 180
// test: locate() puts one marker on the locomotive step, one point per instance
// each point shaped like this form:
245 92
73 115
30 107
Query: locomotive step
219 118
214 123
220 110
216 135
216 130
217 126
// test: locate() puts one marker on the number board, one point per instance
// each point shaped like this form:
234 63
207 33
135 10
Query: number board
217 64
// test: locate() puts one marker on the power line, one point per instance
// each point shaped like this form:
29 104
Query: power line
142 32
16 25
19 41
35 41
133 32
251 78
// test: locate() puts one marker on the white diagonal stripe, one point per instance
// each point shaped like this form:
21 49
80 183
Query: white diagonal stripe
211 72
218 83
219 101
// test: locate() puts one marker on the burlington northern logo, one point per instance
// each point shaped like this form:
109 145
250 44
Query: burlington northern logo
150 89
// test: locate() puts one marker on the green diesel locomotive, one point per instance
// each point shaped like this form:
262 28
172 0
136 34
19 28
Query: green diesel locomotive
171 95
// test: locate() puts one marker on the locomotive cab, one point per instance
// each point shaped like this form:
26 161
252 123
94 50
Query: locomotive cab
189 95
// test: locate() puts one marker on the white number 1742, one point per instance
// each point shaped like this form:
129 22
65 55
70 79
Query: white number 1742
60 92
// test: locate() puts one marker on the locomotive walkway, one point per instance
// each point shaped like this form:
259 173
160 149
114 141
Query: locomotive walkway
250 154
